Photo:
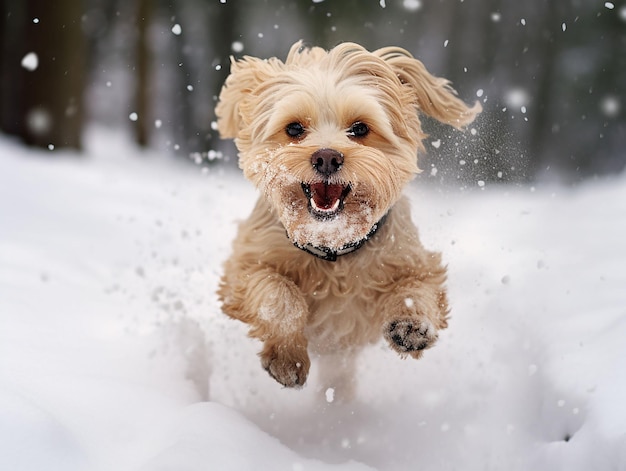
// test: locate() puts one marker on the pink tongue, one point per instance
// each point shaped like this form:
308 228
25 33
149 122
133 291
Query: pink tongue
325 195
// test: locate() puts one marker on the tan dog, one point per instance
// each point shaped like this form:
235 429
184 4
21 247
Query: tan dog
329 259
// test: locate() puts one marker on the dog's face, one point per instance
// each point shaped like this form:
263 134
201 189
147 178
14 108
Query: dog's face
331 138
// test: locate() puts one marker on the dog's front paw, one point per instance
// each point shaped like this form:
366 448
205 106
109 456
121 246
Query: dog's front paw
410 336
287 364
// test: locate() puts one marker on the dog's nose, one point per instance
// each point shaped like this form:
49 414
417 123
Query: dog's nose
327 161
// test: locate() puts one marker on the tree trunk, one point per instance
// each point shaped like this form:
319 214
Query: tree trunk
142 130
43 80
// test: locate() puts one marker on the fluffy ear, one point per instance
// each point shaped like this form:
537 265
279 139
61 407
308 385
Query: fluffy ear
435 96
245 76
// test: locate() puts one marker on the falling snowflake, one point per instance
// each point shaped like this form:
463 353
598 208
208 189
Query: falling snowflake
610 106
412 5
237 46
30 61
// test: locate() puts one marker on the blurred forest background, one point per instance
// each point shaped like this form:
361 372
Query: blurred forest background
551 74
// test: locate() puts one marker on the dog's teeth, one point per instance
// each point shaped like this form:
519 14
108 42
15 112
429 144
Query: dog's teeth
333 208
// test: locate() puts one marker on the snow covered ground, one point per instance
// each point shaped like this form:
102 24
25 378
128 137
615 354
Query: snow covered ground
114 354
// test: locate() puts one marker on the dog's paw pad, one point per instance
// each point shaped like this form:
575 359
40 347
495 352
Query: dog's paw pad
288 370
410 336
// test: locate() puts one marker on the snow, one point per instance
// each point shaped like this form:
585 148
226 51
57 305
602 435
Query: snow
114 354
38 120
516 97
610 106
177 29
237 46
30 61
412 5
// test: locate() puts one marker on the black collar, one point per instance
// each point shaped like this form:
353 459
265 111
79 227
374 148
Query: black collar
330 255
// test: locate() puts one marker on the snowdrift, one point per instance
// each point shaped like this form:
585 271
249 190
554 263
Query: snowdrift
114 354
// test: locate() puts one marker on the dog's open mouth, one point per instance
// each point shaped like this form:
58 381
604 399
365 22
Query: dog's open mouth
325 199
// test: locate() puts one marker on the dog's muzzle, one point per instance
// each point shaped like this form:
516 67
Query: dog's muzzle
325 199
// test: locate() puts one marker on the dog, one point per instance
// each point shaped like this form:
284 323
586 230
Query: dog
329 261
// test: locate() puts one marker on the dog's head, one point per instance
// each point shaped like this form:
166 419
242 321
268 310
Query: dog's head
331 138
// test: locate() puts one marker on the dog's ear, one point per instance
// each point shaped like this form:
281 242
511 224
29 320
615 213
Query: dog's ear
245 75
249 77
435 96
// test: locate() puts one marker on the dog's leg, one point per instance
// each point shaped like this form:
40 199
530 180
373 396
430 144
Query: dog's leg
414 313
286 360
276 311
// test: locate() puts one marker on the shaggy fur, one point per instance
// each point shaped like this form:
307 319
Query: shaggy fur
360 109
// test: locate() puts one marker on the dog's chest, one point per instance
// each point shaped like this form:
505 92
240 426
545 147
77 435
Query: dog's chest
343 309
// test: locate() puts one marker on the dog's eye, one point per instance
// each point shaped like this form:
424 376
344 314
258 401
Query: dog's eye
294 130
358 129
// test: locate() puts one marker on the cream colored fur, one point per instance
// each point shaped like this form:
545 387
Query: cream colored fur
391 287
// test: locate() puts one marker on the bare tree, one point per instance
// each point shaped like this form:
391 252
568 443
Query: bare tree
143 73
43 74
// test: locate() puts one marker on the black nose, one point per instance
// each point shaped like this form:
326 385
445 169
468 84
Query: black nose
327 161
